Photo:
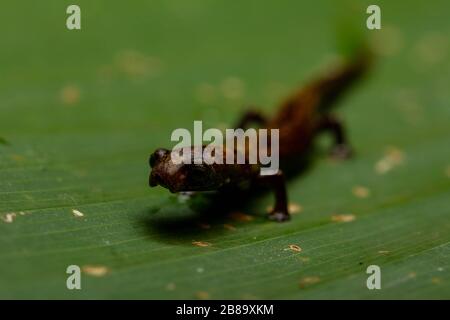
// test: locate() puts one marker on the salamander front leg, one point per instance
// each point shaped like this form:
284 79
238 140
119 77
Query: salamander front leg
341 148
280 211
251 116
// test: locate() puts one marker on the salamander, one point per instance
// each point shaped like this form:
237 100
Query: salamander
300 119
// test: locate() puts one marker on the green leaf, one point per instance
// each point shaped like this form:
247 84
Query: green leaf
85 108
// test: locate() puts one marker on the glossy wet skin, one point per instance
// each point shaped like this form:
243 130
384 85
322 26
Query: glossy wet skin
182 177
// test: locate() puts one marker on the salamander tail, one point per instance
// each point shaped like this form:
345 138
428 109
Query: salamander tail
332 86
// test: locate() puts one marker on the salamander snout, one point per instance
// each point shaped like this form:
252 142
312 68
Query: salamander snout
156 156
156 162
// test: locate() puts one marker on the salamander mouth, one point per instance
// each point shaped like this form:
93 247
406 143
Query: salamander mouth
181 185
156 180
152 181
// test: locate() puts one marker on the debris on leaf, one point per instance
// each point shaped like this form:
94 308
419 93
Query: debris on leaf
202 295
201 243
343 217
294 247
294 208
70 95
8 217
77 213
137 65
436 280
11 216
95 270
392 158
307 281
360 191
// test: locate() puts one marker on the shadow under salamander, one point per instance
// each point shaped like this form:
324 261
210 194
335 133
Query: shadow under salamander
204 214
199 215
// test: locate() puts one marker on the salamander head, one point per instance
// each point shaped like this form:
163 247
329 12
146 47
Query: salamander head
178 177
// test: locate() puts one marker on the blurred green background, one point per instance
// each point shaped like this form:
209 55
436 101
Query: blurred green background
80 111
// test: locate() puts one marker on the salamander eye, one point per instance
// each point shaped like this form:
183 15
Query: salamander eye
157 155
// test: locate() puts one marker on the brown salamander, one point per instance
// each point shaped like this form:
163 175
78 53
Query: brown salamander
301 118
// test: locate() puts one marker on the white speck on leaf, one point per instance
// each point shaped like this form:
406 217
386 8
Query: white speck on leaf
200 270
9 217
77 213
